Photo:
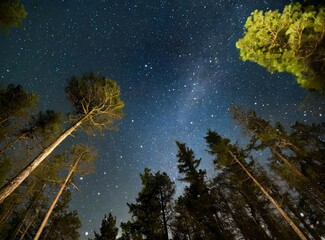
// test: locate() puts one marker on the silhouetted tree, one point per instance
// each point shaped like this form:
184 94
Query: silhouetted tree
198 202
275 138
152 211
227 153
108 230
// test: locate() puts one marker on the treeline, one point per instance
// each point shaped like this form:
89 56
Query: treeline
34 178
271 189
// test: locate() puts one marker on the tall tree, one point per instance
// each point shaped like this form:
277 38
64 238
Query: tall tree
64 224
81 155
97 107
292 41
197 200
228 154
151 213
275 138
108 230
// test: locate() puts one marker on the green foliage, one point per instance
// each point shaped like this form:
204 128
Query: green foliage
197 204
234 203
151 212
187 164
15 102
108 230
12 12
97 97
46 122
292 41
64 224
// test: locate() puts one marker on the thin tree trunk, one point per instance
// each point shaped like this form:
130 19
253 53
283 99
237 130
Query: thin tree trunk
163 215
271 199
6 190
49 229
26 213
312 191
46 218
29 225
10 143
16 201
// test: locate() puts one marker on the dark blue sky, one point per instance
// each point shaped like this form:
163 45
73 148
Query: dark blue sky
178 69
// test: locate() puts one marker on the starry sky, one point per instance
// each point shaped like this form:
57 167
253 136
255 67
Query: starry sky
178 68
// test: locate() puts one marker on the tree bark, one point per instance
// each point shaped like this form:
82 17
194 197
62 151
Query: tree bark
271 199
16 181
46 218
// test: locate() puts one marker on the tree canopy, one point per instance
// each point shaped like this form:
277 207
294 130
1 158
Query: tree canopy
292 41
108 230
98 98
12 12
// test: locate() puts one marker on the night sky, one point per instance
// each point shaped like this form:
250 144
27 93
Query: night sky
179 71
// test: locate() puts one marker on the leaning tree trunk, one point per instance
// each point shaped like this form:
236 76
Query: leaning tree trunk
6 190
271 199
46 218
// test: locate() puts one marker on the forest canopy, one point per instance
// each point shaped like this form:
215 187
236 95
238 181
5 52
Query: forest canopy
292 41
245 198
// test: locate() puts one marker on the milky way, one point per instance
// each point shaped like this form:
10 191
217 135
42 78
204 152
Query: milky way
178 69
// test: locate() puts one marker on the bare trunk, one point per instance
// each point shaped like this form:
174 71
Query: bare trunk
273 201
16 181
46 218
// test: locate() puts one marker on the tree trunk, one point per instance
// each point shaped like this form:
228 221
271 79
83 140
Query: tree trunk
273 201
16 181
163 210
46 218
29 225
26 213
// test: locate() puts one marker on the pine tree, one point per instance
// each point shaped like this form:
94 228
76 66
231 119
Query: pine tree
197 200
64 224
81 155
15 103
44 125
292 41
227 153
108 230
264 135
151 213
97 107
